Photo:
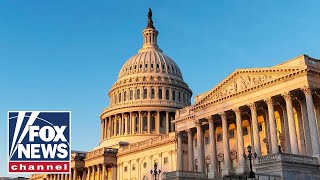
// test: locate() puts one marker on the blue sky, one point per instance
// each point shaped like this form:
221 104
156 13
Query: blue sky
65 55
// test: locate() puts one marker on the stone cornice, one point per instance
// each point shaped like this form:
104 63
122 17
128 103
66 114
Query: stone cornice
190 117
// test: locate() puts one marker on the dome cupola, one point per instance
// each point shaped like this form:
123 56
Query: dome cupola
143 100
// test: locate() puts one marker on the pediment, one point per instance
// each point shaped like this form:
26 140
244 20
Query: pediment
241 80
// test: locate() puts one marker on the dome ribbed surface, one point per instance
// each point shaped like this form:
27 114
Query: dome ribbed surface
152 61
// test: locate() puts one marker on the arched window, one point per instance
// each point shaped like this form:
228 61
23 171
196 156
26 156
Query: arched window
119 97
160 93
138 94
167 94
131 94
152 93
145 91
125 96
179 96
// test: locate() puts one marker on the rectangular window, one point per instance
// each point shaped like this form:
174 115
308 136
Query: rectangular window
207 140
245 131
219 137
145 91
260 127
231 134
160 93
167 94
138 94
125 169
131 94
179 96
133 167
173 95
165 160
152 93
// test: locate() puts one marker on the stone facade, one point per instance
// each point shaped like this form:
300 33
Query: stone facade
275 110
137 127
150 120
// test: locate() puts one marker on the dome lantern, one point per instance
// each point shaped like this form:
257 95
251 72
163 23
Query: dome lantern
150 35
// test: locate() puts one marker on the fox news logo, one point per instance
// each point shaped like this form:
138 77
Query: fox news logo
39 142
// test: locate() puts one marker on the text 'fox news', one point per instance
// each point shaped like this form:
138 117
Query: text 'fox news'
39 141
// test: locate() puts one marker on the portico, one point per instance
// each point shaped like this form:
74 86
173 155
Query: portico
253 107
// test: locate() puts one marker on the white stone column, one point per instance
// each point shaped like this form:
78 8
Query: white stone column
306 129
115 126
273 128
84 174
140 122
122 124
163 92
110 126
240 143
105 128
317 109
156 91
89 173
312 122
102 129
167 122
133 123
99 172
157 123
126 128
200 147
255 129
226 146
190 150
114 172
287 148
148 122
180 152
75 175
213 151
291 124
94 173
104 171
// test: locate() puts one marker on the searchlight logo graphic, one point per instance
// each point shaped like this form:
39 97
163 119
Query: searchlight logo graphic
39 142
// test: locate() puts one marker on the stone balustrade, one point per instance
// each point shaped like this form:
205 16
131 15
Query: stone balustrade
149 142
184 175
100 151
287 158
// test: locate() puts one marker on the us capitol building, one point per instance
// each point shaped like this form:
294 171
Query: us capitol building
150 120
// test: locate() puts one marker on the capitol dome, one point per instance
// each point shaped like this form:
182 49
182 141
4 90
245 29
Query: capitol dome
143 100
